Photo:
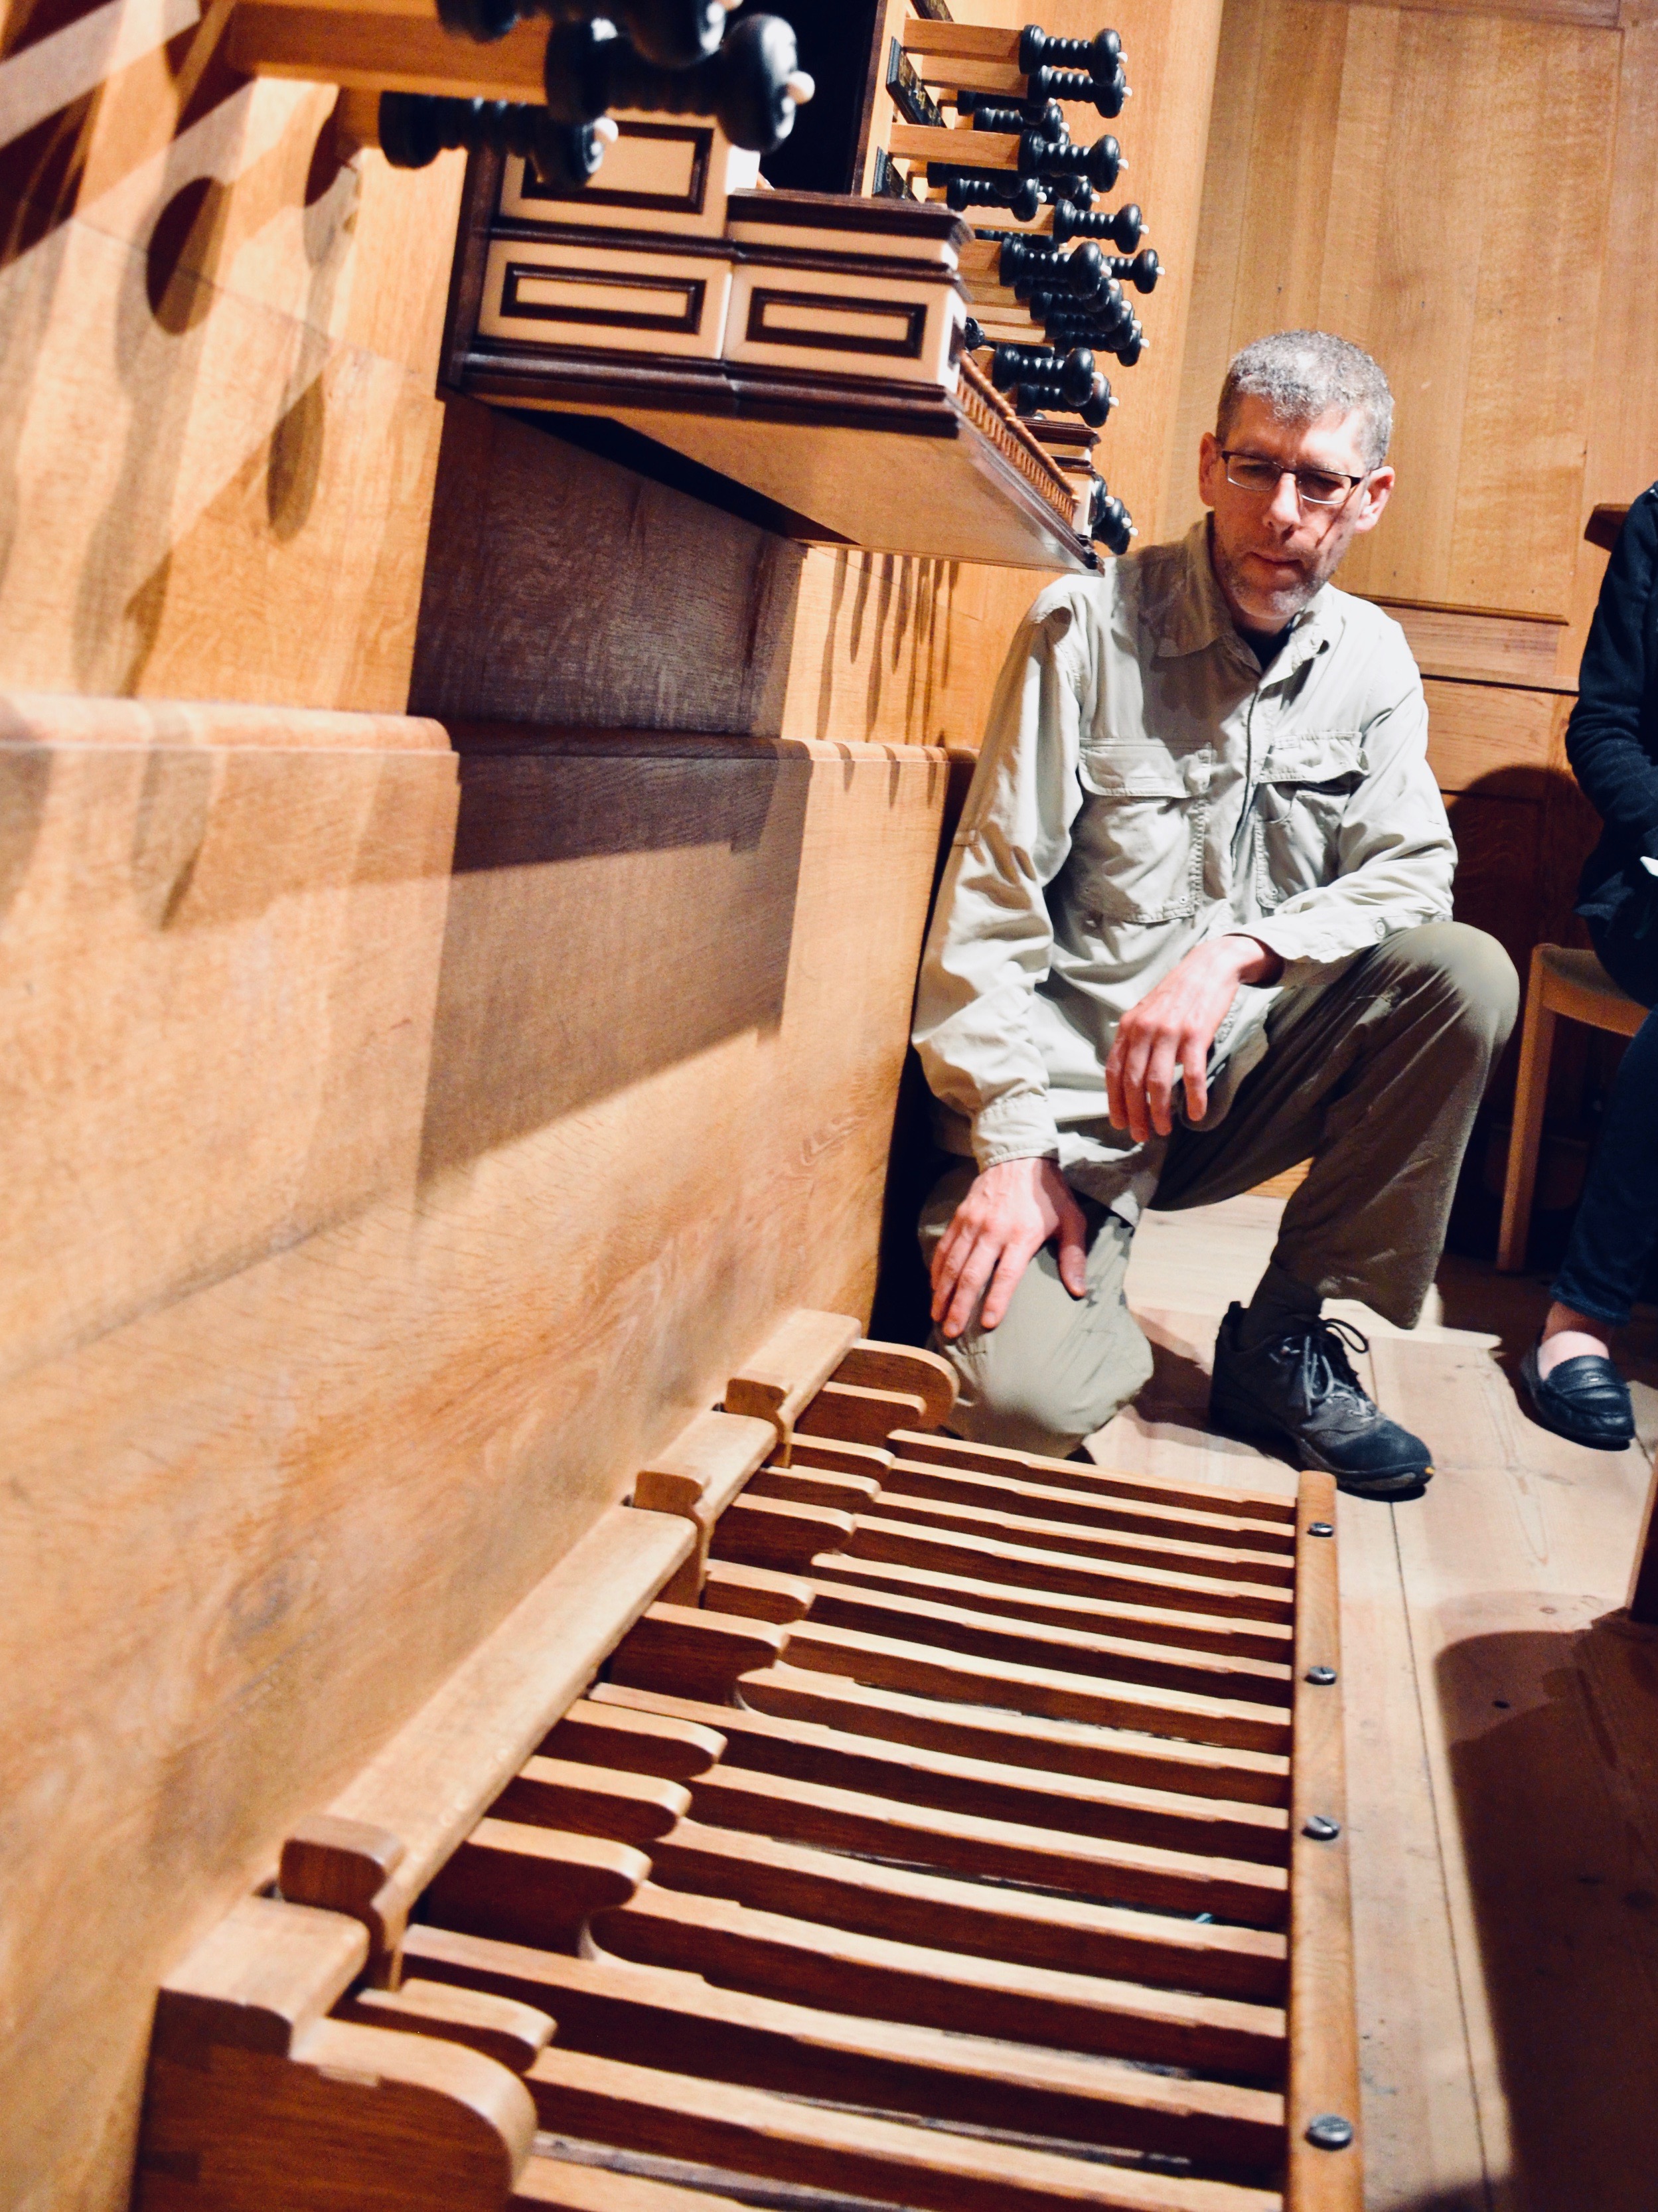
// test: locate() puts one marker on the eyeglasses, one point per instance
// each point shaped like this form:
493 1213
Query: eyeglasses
1314 487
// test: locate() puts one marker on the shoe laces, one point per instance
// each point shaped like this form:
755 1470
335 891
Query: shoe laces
1323 1368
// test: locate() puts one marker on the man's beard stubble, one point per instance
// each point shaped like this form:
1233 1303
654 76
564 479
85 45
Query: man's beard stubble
1287 602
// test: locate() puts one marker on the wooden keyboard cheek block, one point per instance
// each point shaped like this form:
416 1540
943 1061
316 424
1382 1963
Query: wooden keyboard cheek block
256 2099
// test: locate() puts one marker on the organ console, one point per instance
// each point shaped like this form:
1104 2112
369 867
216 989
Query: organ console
858 1816
816 346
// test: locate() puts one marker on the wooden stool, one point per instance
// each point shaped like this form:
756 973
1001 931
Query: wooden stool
1573 984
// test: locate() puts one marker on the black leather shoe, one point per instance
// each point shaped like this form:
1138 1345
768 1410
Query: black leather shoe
1298 1392
1585 1400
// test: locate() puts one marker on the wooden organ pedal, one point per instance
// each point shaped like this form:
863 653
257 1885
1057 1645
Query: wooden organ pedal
858 1812
859 358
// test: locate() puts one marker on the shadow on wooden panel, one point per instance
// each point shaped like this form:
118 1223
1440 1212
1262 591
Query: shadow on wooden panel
1554 1756
617 907
561 587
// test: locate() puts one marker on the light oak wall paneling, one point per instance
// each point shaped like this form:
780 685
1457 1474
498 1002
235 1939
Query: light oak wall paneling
217 343
1476 731
1376 171
290 1419
1587 15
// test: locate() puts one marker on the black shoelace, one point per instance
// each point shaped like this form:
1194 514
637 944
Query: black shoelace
1324 1368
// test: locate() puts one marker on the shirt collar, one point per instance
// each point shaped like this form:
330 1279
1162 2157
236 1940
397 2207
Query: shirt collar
1194 615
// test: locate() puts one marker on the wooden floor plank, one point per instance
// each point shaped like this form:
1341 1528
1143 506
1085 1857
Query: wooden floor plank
1421 2126
1510 1563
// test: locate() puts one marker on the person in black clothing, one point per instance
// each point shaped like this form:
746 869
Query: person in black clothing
1612 745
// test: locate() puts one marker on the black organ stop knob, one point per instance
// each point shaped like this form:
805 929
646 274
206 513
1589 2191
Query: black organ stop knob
416 127
1100 56
1040 378
965 189
1142 273
1100 165
1125 229
1072 378
1032 115
751 85
1109 522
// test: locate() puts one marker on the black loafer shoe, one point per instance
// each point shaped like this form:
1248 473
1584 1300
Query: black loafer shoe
1298 1392
1585 1400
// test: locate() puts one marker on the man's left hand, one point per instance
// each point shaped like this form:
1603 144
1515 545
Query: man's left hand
1167 1036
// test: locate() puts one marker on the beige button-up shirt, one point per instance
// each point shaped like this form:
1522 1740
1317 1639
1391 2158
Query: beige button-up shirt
1143 786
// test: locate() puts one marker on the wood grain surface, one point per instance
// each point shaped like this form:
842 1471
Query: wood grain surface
302 1418
217 422
1368 173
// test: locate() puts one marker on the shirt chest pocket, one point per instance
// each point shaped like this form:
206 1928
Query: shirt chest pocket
1139 836
1300 802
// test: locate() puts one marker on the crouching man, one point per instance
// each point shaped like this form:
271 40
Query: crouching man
1196 928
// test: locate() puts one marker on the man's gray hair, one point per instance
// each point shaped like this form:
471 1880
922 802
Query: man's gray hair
1302 374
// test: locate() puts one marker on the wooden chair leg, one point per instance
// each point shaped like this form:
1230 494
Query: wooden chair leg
1643 1584
1531 1095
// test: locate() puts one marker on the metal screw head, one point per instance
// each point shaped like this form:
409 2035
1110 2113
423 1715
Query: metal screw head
1322 1828
1329 2131
1320 1528
1321 1677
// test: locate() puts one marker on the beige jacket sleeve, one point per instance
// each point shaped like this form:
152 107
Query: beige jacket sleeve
991 941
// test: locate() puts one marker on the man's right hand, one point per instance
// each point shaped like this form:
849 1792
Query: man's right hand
995 1232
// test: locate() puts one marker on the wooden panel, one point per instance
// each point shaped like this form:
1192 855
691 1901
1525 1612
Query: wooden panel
1479 731
150 900
890 648
219 432
1537 1714
1597 15
539 606
1487 648
1403 209
271 1489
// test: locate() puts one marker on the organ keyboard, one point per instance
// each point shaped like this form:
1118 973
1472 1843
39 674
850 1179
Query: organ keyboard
858 1817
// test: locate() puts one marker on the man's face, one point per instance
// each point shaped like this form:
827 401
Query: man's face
1274 549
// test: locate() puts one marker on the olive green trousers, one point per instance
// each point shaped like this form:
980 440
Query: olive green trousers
1377 1082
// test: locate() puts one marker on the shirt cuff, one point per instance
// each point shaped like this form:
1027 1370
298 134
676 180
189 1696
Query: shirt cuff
1311 947
1019 1127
